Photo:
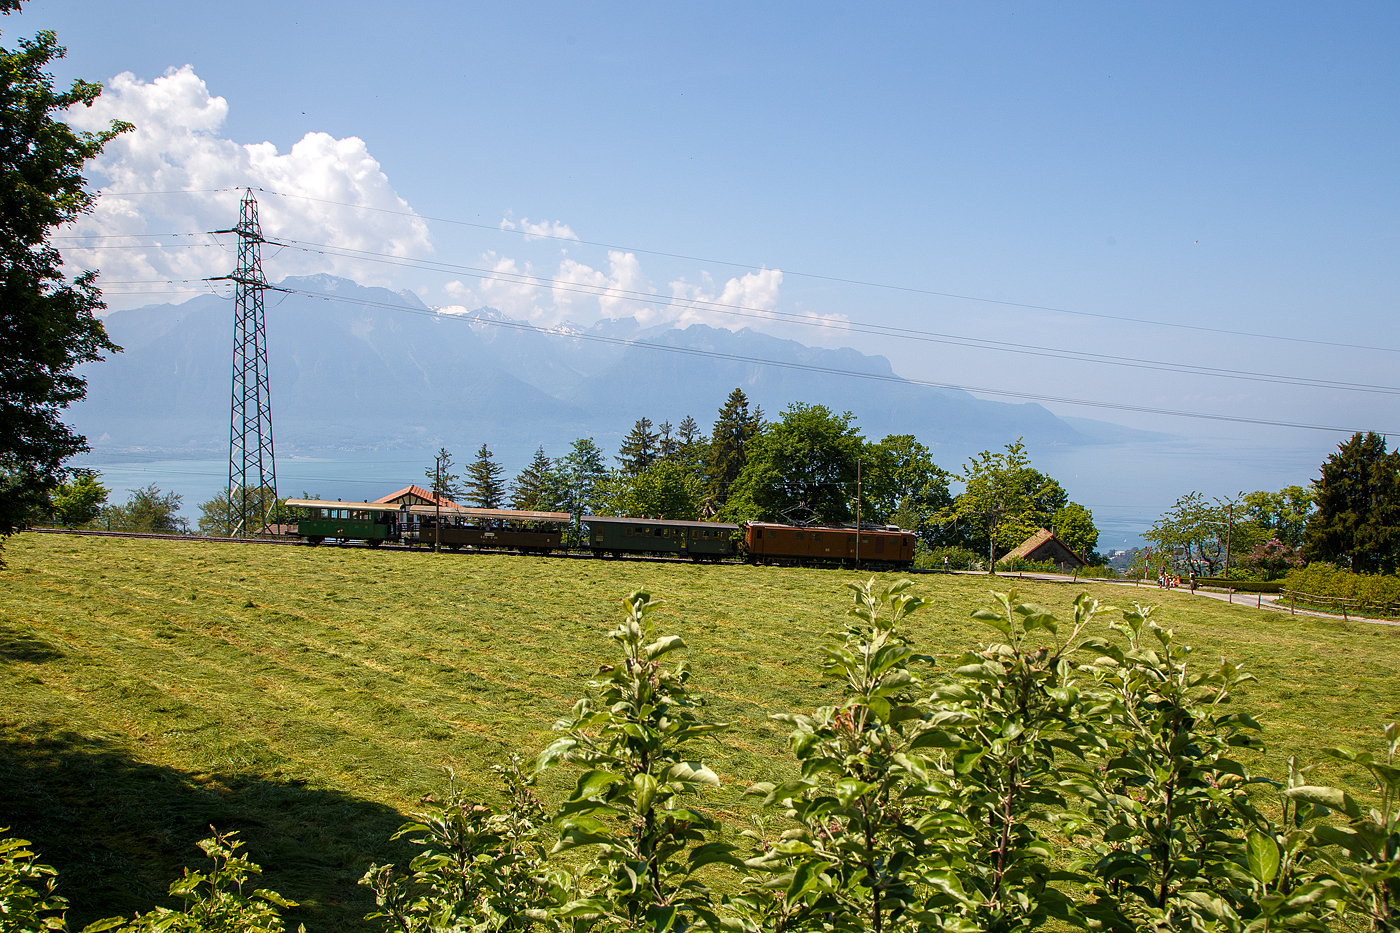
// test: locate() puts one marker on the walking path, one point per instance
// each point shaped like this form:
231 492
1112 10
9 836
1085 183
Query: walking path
1261 600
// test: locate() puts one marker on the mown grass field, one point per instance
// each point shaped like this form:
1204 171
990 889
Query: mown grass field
310 697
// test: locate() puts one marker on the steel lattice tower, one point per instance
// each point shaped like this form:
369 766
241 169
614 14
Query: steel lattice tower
252 468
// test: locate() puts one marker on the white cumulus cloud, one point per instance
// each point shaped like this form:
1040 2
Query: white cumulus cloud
733 305
177 147
538 231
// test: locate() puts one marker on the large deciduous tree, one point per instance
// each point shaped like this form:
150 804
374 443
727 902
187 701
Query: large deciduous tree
48 325
1004 500
1074 525
904 486
803 465
1357 522
1193 530
1281 515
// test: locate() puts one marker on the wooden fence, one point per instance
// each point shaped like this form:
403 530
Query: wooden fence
1341 604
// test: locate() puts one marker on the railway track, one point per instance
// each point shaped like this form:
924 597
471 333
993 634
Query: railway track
301 542
386 546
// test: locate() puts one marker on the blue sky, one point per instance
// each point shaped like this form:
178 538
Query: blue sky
1225 166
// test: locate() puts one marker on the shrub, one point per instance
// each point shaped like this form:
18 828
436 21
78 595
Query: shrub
959 558
1326 580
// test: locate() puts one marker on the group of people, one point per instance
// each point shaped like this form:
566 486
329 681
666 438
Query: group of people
1169 581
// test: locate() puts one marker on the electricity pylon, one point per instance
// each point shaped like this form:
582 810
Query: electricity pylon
252 466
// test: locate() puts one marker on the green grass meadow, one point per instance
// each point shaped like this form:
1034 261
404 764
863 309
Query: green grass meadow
309 697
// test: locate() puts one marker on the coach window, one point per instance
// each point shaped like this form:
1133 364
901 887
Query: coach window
772 532
801 536
816 536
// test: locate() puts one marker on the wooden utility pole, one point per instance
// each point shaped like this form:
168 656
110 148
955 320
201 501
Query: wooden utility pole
1229 530
857 513
437 508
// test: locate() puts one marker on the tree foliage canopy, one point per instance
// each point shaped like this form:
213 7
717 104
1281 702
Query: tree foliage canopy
804 462
484 484
48 326
1357 522
734 429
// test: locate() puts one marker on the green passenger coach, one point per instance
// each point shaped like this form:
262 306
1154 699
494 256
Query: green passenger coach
696 540
372 522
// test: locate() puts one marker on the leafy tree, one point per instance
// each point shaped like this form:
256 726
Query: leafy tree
804 461
1004 500
484 487
79 500
48 326
903 485
734 430
147 510
1074 525
1357 522
442 481
220 516
1194 529
639 448
531 488
1272 557
858 856
479 868
1281 515
666 489
629 807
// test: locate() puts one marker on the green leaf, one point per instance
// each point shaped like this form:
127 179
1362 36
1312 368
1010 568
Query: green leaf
995 621
1329 797
663 645
712 852
592 783
643 791
1262 854
692 772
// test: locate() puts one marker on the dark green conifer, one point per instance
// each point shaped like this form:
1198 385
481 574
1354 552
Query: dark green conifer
638 449
530 485
729 442
484 487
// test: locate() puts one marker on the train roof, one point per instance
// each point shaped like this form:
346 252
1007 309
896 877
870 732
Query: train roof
866 527
337 504
655 522
516 515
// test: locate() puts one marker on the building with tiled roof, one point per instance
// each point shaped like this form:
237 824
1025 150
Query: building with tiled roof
1044 546
415 495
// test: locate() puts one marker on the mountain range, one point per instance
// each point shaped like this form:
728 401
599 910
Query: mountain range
359 368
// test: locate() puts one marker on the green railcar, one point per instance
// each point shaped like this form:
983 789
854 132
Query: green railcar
371 522
696 540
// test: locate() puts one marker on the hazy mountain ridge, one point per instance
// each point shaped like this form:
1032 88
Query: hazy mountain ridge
348 376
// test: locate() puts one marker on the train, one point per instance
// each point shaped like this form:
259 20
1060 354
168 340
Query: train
460 527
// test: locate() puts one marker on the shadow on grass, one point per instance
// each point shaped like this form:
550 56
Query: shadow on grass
120 830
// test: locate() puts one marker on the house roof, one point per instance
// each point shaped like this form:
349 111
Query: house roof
1044 541
415 492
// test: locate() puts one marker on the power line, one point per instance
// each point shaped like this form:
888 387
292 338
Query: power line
806 321
854 326
827 370
787 272
771 315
